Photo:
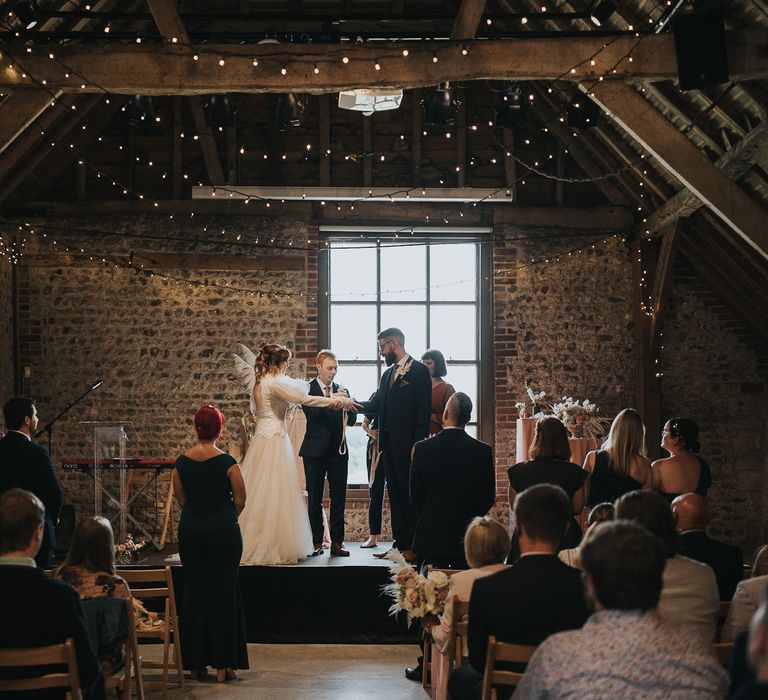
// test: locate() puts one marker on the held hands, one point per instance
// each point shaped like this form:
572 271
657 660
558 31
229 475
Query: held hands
342 401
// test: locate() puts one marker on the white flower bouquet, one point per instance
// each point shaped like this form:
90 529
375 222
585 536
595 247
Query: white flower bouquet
532 407
416 594
580 417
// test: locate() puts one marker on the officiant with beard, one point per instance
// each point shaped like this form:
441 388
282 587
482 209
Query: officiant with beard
403 403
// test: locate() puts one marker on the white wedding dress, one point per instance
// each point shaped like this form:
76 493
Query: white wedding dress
274 524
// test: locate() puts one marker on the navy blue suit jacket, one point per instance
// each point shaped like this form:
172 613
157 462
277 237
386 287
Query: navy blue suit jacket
25 465
403 409
323 434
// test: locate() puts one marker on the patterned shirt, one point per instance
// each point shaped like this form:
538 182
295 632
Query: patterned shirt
94 584
624 654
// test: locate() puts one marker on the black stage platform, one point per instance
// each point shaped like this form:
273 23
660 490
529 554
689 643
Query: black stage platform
320 600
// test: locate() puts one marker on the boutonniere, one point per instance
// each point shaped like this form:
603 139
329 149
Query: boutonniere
402 370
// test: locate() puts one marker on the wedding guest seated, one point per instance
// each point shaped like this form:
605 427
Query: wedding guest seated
746 601
683 471
760 566
625 649
620 466
35 609
535 597
757 652
602 512
550 463
486 546
90 569
691 515
689 595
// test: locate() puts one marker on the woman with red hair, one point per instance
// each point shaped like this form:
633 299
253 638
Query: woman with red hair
210 490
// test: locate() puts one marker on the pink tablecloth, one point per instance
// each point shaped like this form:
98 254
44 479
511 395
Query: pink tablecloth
526 429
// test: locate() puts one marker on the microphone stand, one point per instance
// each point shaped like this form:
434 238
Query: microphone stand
48 427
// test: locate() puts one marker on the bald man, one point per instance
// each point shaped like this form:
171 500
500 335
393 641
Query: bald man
726 560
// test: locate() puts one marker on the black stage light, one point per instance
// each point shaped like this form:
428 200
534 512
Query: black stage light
511 108
582 112
220 111
289 108
702 58
601 11
26 11
440 106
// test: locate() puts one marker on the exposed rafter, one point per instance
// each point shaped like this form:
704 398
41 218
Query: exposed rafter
171 70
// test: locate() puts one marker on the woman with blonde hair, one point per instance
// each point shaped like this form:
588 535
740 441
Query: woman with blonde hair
275 523
621 465
486 545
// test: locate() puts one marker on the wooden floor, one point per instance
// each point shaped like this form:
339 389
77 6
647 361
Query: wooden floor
312 672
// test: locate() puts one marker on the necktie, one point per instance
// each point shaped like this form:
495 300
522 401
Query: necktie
327 391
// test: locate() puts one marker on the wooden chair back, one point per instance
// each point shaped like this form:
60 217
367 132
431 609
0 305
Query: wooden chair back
158 584
723 652
427 648
131 672
459 627
502 652
55 654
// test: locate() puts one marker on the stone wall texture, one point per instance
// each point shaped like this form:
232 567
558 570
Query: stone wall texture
561 317
715 371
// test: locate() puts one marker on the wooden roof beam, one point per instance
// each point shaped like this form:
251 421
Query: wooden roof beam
172 28
685 161
733 164
19 110
171 70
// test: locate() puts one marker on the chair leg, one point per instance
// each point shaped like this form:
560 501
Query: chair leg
166 650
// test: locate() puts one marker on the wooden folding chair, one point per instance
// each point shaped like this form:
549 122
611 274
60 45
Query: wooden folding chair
168 631
426 652
43 656
121 681
459 627
502 652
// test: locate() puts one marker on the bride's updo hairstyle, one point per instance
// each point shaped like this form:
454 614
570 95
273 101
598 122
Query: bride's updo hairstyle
209 423
270 356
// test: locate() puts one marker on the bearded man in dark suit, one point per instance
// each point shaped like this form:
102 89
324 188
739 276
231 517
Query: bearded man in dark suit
324 450
403 403
25 465
452 482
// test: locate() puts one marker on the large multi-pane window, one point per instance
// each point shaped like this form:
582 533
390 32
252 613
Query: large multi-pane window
430 289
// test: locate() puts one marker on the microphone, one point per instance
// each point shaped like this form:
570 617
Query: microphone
96 384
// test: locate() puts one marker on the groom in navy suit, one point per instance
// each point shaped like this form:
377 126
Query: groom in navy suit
324 451
403 403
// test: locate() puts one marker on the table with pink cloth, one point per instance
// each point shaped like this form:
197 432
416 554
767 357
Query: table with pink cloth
526 430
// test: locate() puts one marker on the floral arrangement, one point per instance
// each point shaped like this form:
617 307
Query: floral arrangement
417 594
580 417
126 552
535 399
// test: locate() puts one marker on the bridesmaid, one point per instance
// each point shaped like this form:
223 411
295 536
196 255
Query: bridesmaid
441 390
210 490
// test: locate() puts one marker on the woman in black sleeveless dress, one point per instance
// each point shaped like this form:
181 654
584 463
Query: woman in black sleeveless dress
621 465
210 490
683 471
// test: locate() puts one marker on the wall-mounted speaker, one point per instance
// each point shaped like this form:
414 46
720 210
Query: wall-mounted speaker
702 57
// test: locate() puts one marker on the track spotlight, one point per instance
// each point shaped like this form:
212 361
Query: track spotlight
440 106
582 112
220 111
26 11
511 107
601 11
289 108
141 111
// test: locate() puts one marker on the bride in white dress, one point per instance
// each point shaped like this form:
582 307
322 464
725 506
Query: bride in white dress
274 525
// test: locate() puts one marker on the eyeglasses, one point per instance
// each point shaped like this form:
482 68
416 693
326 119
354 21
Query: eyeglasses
384 344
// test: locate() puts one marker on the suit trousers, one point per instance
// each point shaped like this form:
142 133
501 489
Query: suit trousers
397 471
316 470
376 497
